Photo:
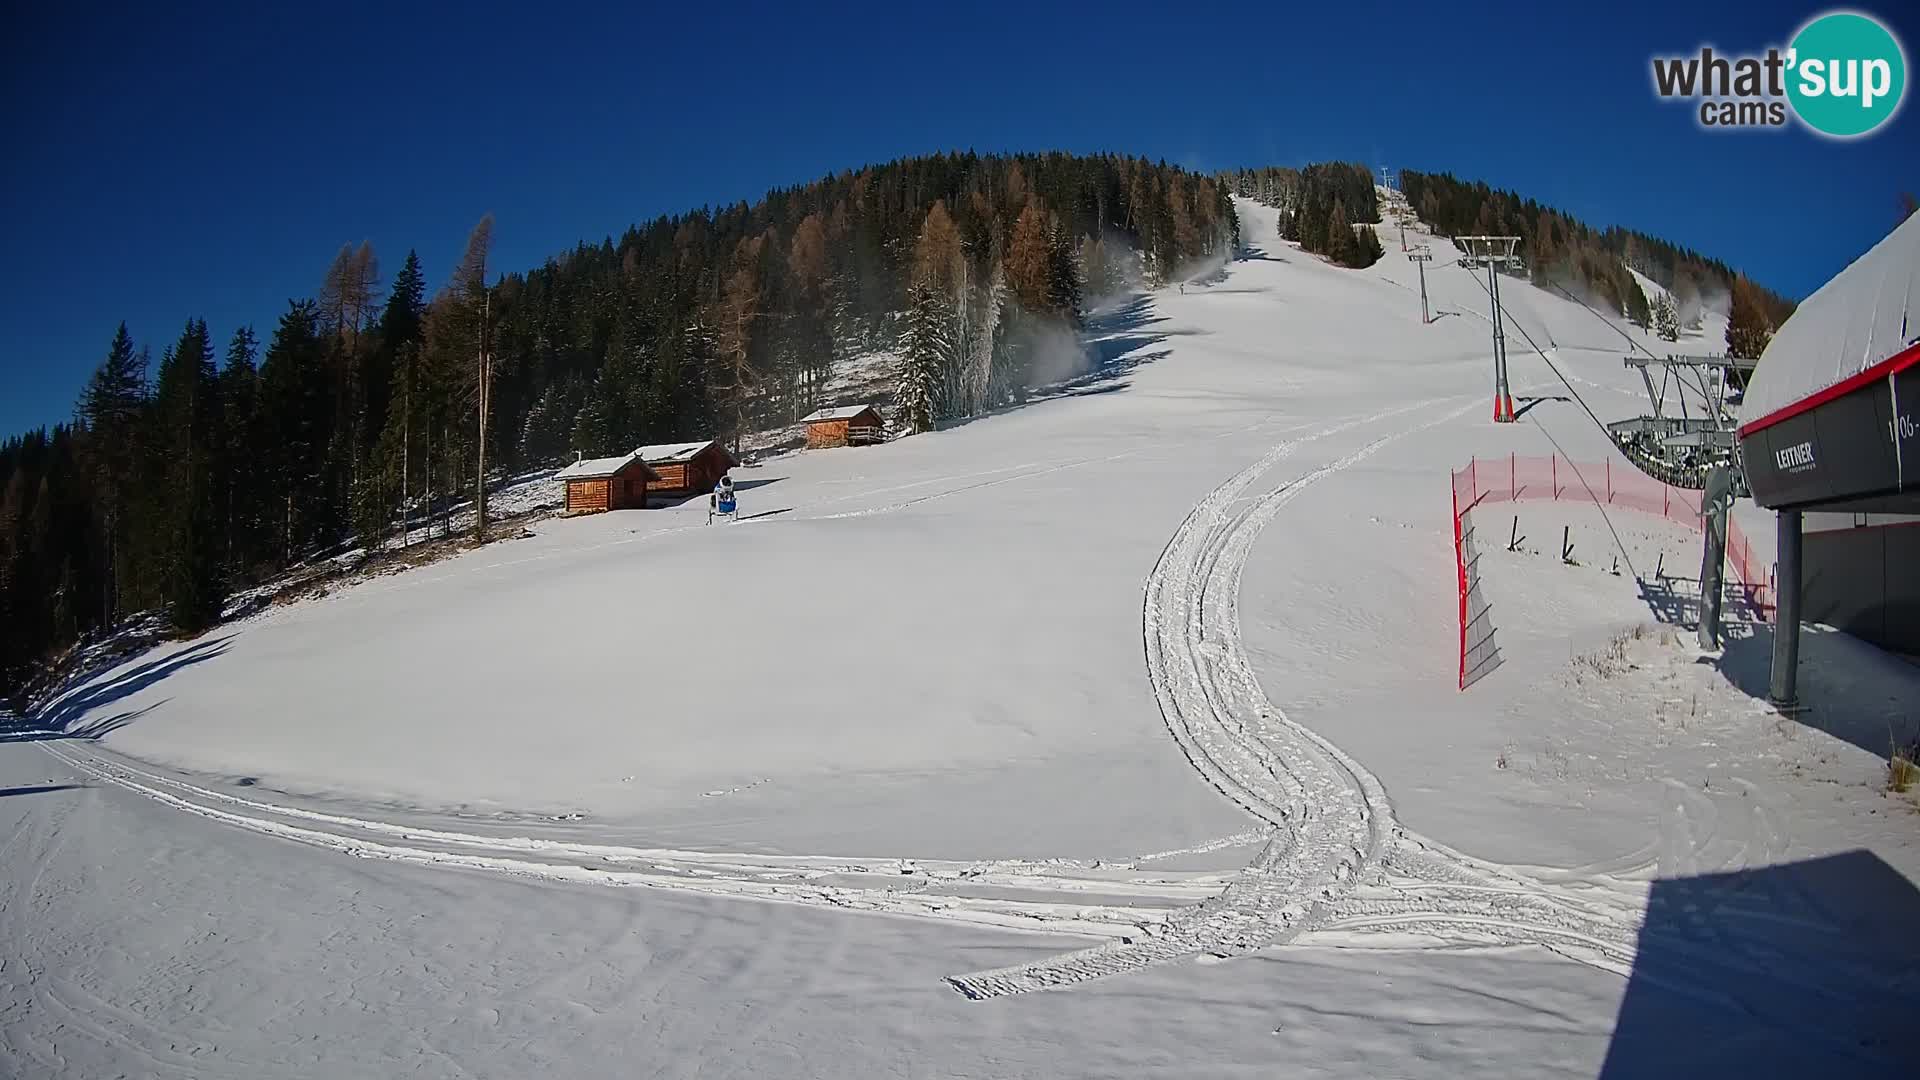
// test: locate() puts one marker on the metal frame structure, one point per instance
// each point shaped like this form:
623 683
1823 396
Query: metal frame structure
1495 252
1420 256
1683 450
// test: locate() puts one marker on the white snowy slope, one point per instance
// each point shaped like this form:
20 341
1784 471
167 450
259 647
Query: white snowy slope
1158 671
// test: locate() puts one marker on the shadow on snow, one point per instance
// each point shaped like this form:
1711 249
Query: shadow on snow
1801 969
60 718
1848 688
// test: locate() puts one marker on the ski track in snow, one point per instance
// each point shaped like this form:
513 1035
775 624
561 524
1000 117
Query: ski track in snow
1333 862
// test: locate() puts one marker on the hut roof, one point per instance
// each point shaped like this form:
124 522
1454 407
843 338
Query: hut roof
600 468
844 412
1865 319
673 453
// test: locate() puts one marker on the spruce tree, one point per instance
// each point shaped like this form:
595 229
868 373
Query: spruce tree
406 307
294 407
1063 275
1341 248
1639 312
242 448
186 403
1367 249
111 408
1666 318
923 359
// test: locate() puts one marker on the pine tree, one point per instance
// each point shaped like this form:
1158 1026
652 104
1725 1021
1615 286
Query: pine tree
923 359
1341 248
111 407
400 321
242 450
592 431
1367 249
1063 274
293 407
1666 318
1639 312
186 403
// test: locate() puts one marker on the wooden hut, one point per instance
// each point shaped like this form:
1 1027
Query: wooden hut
611 483
849 425
686 468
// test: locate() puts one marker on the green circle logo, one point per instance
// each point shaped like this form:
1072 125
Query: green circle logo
1846 75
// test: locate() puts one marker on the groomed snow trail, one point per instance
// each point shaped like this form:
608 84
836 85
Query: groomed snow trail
1334 859
1055 896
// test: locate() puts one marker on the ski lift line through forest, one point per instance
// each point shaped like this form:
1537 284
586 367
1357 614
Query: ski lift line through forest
1604 319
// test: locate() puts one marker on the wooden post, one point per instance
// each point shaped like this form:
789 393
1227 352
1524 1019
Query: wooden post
1609 480
1553 460
1513 477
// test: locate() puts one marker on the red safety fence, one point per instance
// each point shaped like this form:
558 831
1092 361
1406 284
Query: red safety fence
1606 483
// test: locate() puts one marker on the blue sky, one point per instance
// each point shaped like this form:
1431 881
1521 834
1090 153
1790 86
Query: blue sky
164 165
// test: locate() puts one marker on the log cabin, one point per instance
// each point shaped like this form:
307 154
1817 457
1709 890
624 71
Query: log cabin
849 425
610 483
690 468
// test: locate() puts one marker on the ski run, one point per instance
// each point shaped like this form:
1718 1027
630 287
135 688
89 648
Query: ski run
1030 747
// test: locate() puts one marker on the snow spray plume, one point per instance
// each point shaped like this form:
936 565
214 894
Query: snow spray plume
1111 271
1054 352
1208 269
1713 298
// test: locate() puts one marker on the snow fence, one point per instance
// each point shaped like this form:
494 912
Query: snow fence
1553 478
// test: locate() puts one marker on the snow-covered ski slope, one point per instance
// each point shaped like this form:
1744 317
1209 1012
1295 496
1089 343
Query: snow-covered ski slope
929 647
1162 665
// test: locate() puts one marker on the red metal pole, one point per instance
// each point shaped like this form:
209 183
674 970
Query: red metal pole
1460 587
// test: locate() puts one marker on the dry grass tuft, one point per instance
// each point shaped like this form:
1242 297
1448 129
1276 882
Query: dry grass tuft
1902 770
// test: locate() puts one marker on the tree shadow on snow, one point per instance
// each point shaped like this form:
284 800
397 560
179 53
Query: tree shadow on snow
1255 253
40 789
57 719
1848 688
1105 379
1802 969
1117 342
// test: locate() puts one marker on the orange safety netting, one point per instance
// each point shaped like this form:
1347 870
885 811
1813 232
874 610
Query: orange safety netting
1609 484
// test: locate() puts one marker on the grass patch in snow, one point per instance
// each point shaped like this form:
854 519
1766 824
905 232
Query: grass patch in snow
1902 769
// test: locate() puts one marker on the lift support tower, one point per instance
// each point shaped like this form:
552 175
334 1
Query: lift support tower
1495 252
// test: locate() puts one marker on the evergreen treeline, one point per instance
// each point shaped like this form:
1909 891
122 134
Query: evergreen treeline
1560 250
372 403
1320 207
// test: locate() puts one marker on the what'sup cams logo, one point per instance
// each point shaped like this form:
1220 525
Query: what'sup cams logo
1843 75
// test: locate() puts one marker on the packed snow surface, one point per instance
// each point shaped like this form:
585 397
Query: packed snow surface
1157 671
